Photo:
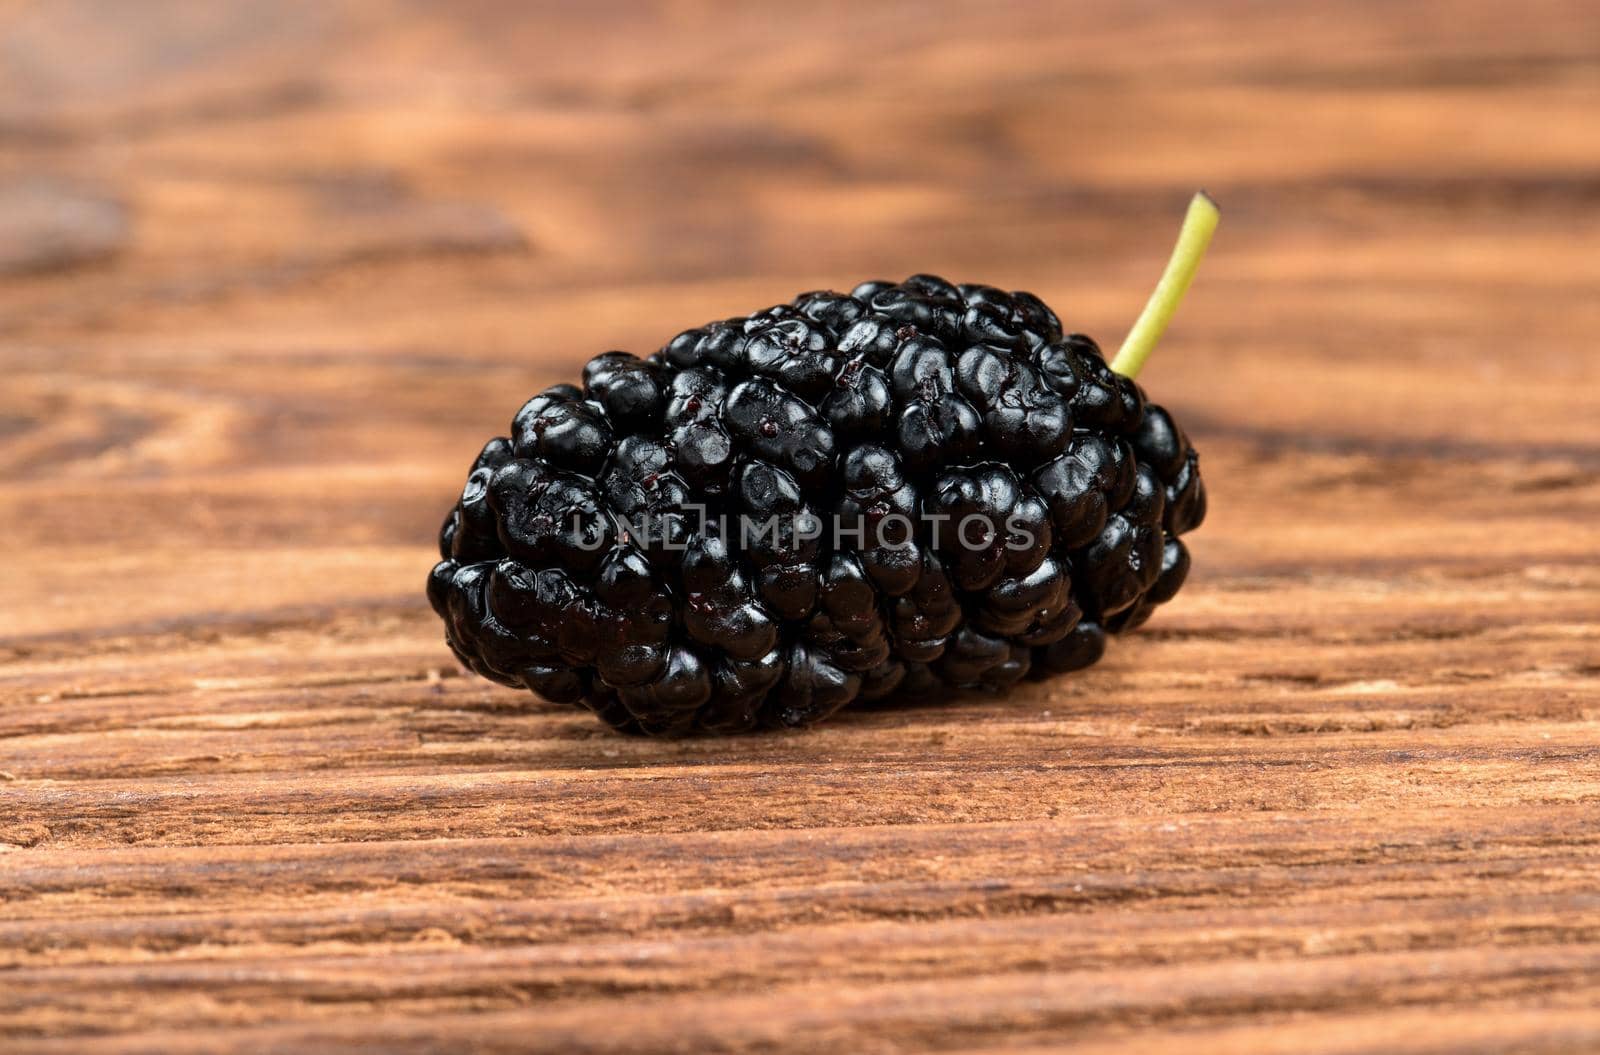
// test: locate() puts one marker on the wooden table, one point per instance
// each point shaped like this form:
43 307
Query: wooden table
270 273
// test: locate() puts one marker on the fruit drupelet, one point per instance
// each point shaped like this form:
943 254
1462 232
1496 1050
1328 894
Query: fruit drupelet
899 491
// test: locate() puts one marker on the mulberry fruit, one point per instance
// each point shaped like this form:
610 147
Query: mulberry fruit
906 488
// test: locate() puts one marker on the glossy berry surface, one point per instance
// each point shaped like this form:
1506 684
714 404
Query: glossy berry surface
906 489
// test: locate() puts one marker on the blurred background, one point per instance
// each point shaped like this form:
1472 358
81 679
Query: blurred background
271 272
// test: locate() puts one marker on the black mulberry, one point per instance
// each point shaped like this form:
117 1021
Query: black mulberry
908 487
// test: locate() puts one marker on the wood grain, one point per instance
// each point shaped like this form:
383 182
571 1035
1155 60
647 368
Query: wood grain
270 273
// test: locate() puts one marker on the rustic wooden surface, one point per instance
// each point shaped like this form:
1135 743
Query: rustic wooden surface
269 274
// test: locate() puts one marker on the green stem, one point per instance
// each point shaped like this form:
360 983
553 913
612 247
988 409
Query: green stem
1195 235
